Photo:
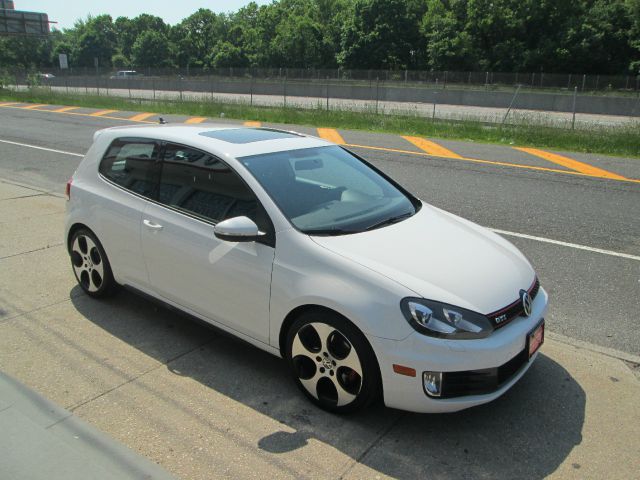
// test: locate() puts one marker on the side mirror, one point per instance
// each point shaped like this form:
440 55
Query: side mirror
237 229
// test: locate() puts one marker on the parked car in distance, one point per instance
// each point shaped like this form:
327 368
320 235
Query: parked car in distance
45 76
305 250
125 74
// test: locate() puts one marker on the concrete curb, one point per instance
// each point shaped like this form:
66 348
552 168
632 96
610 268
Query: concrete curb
44 441
609 352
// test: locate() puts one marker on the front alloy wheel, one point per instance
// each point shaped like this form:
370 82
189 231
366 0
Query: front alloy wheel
332 363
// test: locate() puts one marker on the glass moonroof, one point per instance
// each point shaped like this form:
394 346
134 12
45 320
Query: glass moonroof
247 135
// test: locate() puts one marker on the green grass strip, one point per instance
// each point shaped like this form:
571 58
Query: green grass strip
619 140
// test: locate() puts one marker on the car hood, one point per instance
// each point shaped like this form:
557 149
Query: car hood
441 257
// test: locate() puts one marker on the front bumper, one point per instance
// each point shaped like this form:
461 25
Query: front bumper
424 353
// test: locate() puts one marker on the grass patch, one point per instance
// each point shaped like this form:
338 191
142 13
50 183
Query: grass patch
619 140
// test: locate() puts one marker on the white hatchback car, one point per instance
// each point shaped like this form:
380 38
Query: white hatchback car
307 251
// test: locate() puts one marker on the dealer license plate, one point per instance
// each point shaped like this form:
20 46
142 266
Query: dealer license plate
535 338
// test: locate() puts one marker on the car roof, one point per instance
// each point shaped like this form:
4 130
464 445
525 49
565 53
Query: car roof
222 140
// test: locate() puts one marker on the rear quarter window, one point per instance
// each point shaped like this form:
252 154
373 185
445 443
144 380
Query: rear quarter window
133 164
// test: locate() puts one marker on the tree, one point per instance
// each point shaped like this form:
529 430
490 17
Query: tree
448 45
298 43
128 30
226 54
120 61
151 49
381 34
195 37
25 52
582 36
96 38
634 36
601 41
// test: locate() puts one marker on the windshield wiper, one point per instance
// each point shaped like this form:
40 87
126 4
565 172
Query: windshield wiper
389 221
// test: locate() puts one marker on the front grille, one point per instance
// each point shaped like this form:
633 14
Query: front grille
503 316
480 382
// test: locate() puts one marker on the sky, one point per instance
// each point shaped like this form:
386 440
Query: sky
66 12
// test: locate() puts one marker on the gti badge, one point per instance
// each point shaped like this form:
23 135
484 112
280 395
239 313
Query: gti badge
526 302
501 318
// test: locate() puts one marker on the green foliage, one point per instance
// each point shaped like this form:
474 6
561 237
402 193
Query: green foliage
226 54
382 34
120 61
34 80
130 29
96 38
447 46
24 52
5 79
581 36
151 49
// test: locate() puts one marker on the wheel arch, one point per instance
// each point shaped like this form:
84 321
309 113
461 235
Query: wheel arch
73 229
301 309
292 316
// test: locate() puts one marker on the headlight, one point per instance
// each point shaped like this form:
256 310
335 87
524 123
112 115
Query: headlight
444 321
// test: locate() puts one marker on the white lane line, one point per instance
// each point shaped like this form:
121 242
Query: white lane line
42 148
567 244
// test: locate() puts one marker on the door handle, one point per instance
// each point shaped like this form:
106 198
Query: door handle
152 225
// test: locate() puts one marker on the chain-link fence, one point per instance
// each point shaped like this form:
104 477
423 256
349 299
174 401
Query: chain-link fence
622 84
490 103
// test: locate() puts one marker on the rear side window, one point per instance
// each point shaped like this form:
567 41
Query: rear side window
133 164
205 186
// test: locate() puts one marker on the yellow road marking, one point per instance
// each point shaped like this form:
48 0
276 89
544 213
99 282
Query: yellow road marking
384 149
432 148
332 135
195 120
571 163
11 105
101 113
252 124
65 109
31 107
141 116
490 162
6 104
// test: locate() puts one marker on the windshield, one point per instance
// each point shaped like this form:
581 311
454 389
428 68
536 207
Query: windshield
328 191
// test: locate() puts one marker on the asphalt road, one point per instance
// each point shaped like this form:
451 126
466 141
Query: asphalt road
594 296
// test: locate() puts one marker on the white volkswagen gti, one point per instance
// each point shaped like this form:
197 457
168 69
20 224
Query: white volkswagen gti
303 249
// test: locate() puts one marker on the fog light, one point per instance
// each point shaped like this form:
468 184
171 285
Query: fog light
432 382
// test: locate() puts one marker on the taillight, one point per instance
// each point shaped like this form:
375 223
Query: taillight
67 190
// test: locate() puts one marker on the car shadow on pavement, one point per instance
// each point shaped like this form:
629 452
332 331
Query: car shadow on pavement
526 433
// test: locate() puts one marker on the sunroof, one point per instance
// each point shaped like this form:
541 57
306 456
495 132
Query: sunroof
247 135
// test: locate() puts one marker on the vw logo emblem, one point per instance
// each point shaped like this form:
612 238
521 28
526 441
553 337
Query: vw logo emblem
526 302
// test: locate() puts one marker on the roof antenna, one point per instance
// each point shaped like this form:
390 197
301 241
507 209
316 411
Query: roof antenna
162 121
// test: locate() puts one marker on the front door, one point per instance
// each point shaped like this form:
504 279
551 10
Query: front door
132 164
226 282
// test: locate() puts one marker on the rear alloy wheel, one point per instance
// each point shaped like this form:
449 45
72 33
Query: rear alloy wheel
332 362
90 264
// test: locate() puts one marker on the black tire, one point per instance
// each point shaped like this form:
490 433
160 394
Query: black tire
325 365
90 264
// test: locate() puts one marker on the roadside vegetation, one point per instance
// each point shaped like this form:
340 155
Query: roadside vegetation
582 36
621 141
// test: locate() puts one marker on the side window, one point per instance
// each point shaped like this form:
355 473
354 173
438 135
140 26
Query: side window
201 184
133 164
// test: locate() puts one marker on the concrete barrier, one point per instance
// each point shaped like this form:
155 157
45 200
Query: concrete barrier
542 101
